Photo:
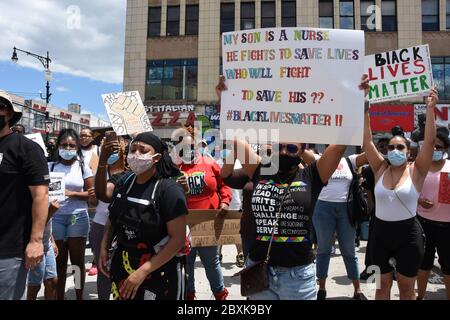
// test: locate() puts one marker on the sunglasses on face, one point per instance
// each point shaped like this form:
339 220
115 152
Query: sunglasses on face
440 147
399 147
68 146
291 148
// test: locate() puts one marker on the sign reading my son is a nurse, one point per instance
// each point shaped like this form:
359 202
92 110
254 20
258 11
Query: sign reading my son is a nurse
301 81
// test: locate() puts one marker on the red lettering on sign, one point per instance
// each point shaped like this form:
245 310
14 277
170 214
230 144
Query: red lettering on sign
157 119
173 122
191 119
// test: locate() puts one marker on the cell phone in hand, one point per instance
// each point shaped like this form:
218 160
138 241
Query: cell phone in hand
110 136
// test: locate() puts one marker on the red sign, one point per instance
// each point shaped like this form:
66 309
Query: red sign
384 117
173 121
444 188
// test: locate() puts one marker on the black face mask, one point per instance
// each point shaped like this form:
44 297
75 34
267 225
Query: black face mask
3 122
287 163
51 147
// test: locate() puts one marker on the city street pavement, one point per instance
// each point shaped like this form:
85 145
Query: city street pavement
339 287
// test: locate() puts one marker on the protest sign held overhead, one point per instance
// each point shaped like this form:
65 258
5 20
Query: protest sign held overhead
399 74
302 82
127 112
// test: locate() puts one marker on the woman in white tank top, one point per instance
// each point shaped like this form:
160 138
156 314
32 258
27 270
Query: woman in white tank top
397 234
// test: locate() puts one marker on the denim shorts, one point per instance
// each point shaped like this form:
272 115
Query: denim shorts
70 226
45 270
294 283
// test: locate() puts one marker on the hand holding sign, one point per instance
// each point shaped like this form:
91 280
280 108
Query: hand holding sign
221 86
432 99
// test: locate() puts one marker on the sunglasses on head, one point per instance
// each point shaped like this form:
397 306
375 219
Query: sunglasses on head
399 147
291 148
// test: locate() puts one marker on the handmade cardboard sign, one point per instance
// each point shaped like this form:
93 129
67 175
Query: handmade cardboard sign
209 230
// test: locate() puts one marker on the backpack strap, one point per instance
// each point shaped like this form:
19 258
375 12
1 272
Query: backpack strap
52 167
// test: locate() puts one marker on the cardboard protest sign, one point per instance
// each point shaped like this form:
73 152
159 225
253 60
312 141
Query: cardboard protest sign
302 82
209 230
127 113
399 74
57 187
37 137
384 117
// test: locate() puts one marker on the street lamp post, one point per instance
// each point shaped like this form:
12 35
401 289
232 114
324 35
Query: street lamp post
48 77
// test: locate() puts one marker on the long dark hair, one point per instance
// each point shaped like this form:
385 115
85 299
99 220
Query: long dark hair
70 133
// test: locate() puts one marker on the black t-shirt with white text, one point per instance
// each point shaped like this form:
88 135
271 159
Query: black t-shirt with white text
22 164
291 244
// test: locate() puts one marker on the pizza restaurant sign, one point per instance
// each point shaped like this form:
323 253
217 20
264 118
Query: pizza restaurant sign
171 115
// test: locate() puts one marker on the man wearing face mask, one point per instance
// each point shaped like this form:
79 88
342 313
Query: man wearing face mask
148 216
434 214
52 150
397 233
24 183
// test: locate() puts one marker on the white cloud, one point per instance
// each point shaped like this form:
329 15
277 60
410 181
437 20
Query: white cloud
89 45
62 89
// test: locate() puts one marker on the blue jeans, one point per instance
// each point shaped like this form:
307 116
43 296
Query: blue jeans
328 218
70 226
45 270
13 278
210 260
295 283
246 245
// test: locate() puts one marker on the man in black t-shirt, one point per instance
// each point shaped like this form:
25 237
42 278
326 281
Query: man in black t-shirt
24 183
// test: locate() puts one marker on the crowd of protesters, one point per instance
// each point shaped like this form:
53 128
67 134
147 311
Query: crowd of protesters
130 198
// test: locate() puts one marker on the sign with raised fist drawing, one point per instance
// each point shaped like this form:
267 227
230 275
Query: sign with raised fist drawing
127 112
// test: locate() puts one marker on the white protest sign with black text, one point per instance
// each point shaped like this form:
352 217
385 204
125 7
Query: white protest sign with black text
302 82
127 113
399 74
57 187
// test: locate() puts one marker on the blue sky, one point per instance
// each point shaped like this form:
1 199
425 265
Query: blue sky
65 88
86 41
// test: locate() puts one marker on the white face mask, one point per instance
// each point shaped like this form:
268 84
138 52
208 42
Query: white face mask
140 163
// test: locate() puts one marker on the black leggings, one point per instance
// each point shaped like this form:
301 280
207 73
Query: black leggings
401 240
438 238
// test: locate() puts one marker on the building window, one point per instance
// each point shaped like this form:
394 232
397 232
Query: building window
288 13
346 15
154 22
172 80
430 15
191 20
367 11
448 14
226 17
247 15
268 14
173 21
326 14
441 76
389 15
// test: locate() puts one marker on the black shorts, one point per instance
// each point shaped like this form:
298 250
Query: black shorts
438 238
401 240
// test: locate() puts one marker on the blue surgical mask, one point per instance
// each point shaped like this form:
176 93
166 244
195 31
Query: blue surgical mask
438 155
396 157
113 159
67 154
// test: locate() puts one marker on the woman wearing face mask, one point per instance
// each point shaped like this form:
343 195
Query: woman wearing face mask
115 166
148 217
434 215
71 222
205 190
397 233
281 186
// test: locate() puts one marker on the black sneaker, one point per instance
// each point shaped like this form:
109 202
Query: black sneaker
359 296
321 294
364 276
